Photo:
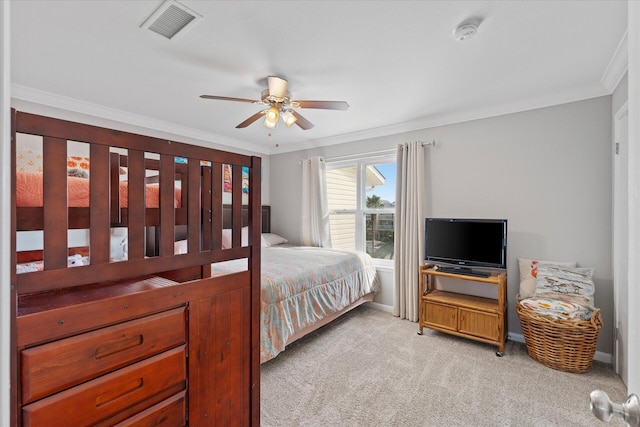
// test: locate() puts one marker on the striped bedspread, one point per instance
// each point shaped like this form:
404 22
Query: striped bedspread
303 285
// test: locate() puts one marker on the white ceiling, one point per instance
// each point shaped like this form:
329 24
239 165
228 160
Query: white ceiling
395 62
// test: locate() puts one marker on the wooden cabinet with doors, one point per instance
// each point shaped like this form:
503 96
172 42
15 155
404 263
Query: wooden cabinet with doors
478 318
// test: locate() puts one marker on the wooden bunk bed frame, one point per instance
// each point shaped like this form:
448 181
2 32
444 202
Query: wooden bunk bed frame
149 340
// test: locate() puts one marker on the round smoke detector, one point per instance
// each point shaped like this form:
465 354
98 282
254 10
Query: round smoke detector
465 31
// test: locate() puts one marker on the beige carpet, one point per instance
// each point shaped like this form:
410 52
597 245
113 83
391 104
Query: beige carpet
369 368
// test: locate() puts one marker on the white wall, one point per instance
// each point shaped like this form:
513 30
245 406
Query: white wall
548 171
621 94
5 215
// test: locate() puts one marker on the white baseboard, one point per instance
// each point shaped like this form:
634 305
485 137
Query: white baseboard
599 356
378 306
515 337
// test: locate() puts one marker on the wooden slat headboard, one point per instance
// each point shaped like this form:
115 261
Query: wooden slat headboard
181 230
266 217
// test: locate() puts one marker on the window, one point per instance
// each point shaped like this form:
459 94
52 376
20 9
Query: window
361 200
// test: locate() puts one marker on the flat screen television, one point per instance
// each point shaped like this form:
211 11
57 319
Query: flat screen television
465 243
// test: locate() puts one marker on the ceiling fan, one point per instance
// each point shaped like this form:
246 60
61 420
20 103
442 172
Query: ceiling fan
280 104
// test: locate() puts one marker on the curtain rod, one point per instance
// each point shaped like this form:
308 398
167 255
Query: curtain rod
372 154
380 153
431 143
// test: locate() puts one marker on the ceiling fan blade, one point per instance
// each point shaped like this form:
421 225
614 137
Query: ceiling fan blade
251 119
277 86
324 105
301 121
226 98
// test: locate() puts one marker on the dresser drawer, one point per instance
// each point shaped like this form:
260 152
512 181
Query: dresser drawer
138 386
58 365
171 412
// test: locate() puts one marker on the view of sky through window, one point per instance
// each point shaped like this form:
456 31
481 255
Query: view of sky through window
387 191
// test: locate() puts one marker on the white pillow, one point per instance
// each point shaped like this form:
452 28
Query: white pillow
119 248
226 237
273 239
528 273
180 247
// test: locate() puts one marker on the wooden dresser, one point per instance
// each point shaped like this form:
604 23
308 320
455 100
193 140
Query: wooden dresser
139 352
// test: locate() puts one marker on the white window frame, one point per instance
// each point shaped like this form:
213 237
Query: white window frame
361 209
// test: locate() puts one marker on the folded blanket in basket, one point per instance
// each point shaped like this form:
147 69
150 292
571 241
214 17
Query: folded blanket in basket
557 309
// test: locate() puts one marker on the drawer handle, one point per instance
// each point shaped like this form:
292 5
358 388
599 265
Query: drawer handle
110 396
116 346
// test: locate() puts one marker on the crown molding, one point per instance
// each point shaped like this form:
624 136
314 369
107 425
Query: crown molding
52 100
154 126
450 118
617 66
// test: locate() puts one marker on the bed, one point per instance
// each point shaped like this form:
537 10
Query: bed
303 288
149 337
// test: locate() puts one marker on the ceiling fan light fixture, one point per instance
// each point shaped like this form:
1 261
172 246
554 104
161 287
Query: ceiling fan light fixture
269 125
278 102
271 117
288 118
272 114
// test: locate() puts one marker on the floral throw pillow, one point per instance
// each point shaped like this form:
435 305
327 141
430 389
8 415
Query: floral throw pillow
563 283
529 272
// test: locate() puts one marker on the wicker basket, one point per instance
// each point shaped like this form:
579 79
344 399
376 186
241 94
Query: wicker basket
566 345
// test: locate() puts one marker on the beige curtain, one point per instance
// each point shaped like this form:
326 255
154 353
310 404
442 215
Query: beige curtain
409 229
315 211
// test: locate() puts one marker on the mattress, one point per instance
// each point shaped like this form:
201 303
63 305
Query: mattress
29 192
301 286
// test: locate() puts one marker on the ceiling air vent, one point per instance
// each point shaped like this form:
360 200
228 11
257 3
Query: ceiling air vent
170 19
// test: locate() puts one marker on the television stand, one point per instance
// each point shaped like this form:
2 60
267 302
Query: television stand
466 271
478 318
